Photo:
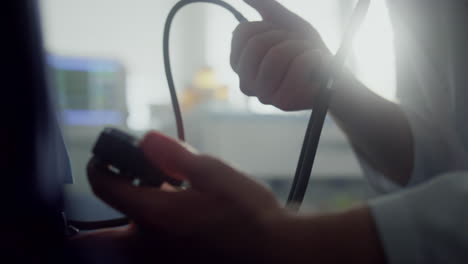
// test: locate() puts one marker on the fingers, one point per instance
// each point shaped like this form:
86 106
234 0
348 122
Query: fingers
168 154
206 174
211 179
220 180
266 61
264 58
135 202
299 86
173 157
271 10
252 56
149 207
275 66
278 15
241 35
263 52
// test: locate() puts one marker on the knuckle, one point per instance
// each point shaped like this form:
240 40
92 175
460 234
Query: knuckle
278 102
245 87
255 44
284 105
246 28
300 62
241 28
259 45
269 39
313 62
265 92
283 98
284 45
279 53
265 99
206 162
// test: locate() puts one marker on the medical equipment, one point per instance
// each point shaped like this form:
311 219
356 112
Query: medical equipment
109 148
315 126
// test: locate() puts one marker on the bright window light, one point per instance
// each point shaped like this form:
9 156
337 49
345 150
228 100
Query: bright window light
321 13
374 61
374 52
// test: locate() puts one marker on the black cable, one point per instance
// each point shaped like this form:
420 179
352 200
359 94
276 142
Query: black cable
167 63
317 119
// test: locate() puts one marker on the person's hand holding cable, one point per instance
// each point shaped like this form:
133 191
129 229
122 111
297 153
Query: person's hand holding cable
279 59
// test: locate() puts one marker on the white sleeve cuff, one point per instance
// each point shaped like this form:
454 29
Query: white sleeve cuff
425 224
397 230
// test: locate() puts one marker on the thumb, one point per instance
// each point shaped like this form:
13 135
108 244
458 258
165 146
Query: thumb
273 11
205 173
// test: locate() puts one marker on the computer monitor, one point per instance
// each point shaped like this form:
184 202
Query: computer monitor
91 91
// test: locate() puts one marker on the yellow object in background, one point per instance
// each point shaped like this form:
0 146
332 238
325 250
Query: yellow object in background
204 88
205 79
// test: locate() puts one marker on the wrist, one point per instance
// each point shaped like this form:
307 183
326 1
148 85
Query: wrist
348 236
347 89
255 242
275 236
258 243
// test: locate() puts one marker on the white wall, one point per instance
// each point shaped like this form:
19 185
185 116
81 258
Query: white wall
130 31
373 52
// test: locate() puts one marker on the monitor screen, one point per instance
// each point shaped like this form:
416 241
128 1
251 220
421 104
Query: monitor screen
91 91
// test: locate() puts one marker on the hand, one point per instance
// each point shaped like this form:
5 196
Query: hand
278 59
224 216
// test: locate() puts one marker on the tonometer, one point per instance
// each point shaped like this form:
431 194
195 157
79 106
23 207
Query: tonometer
109 138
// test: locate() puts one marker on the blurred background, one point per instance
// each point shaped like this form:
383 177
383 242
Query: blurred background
106 66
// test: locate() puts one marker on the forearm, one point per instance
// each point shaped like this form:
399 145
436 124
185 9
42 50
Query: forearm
347 237
377 128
